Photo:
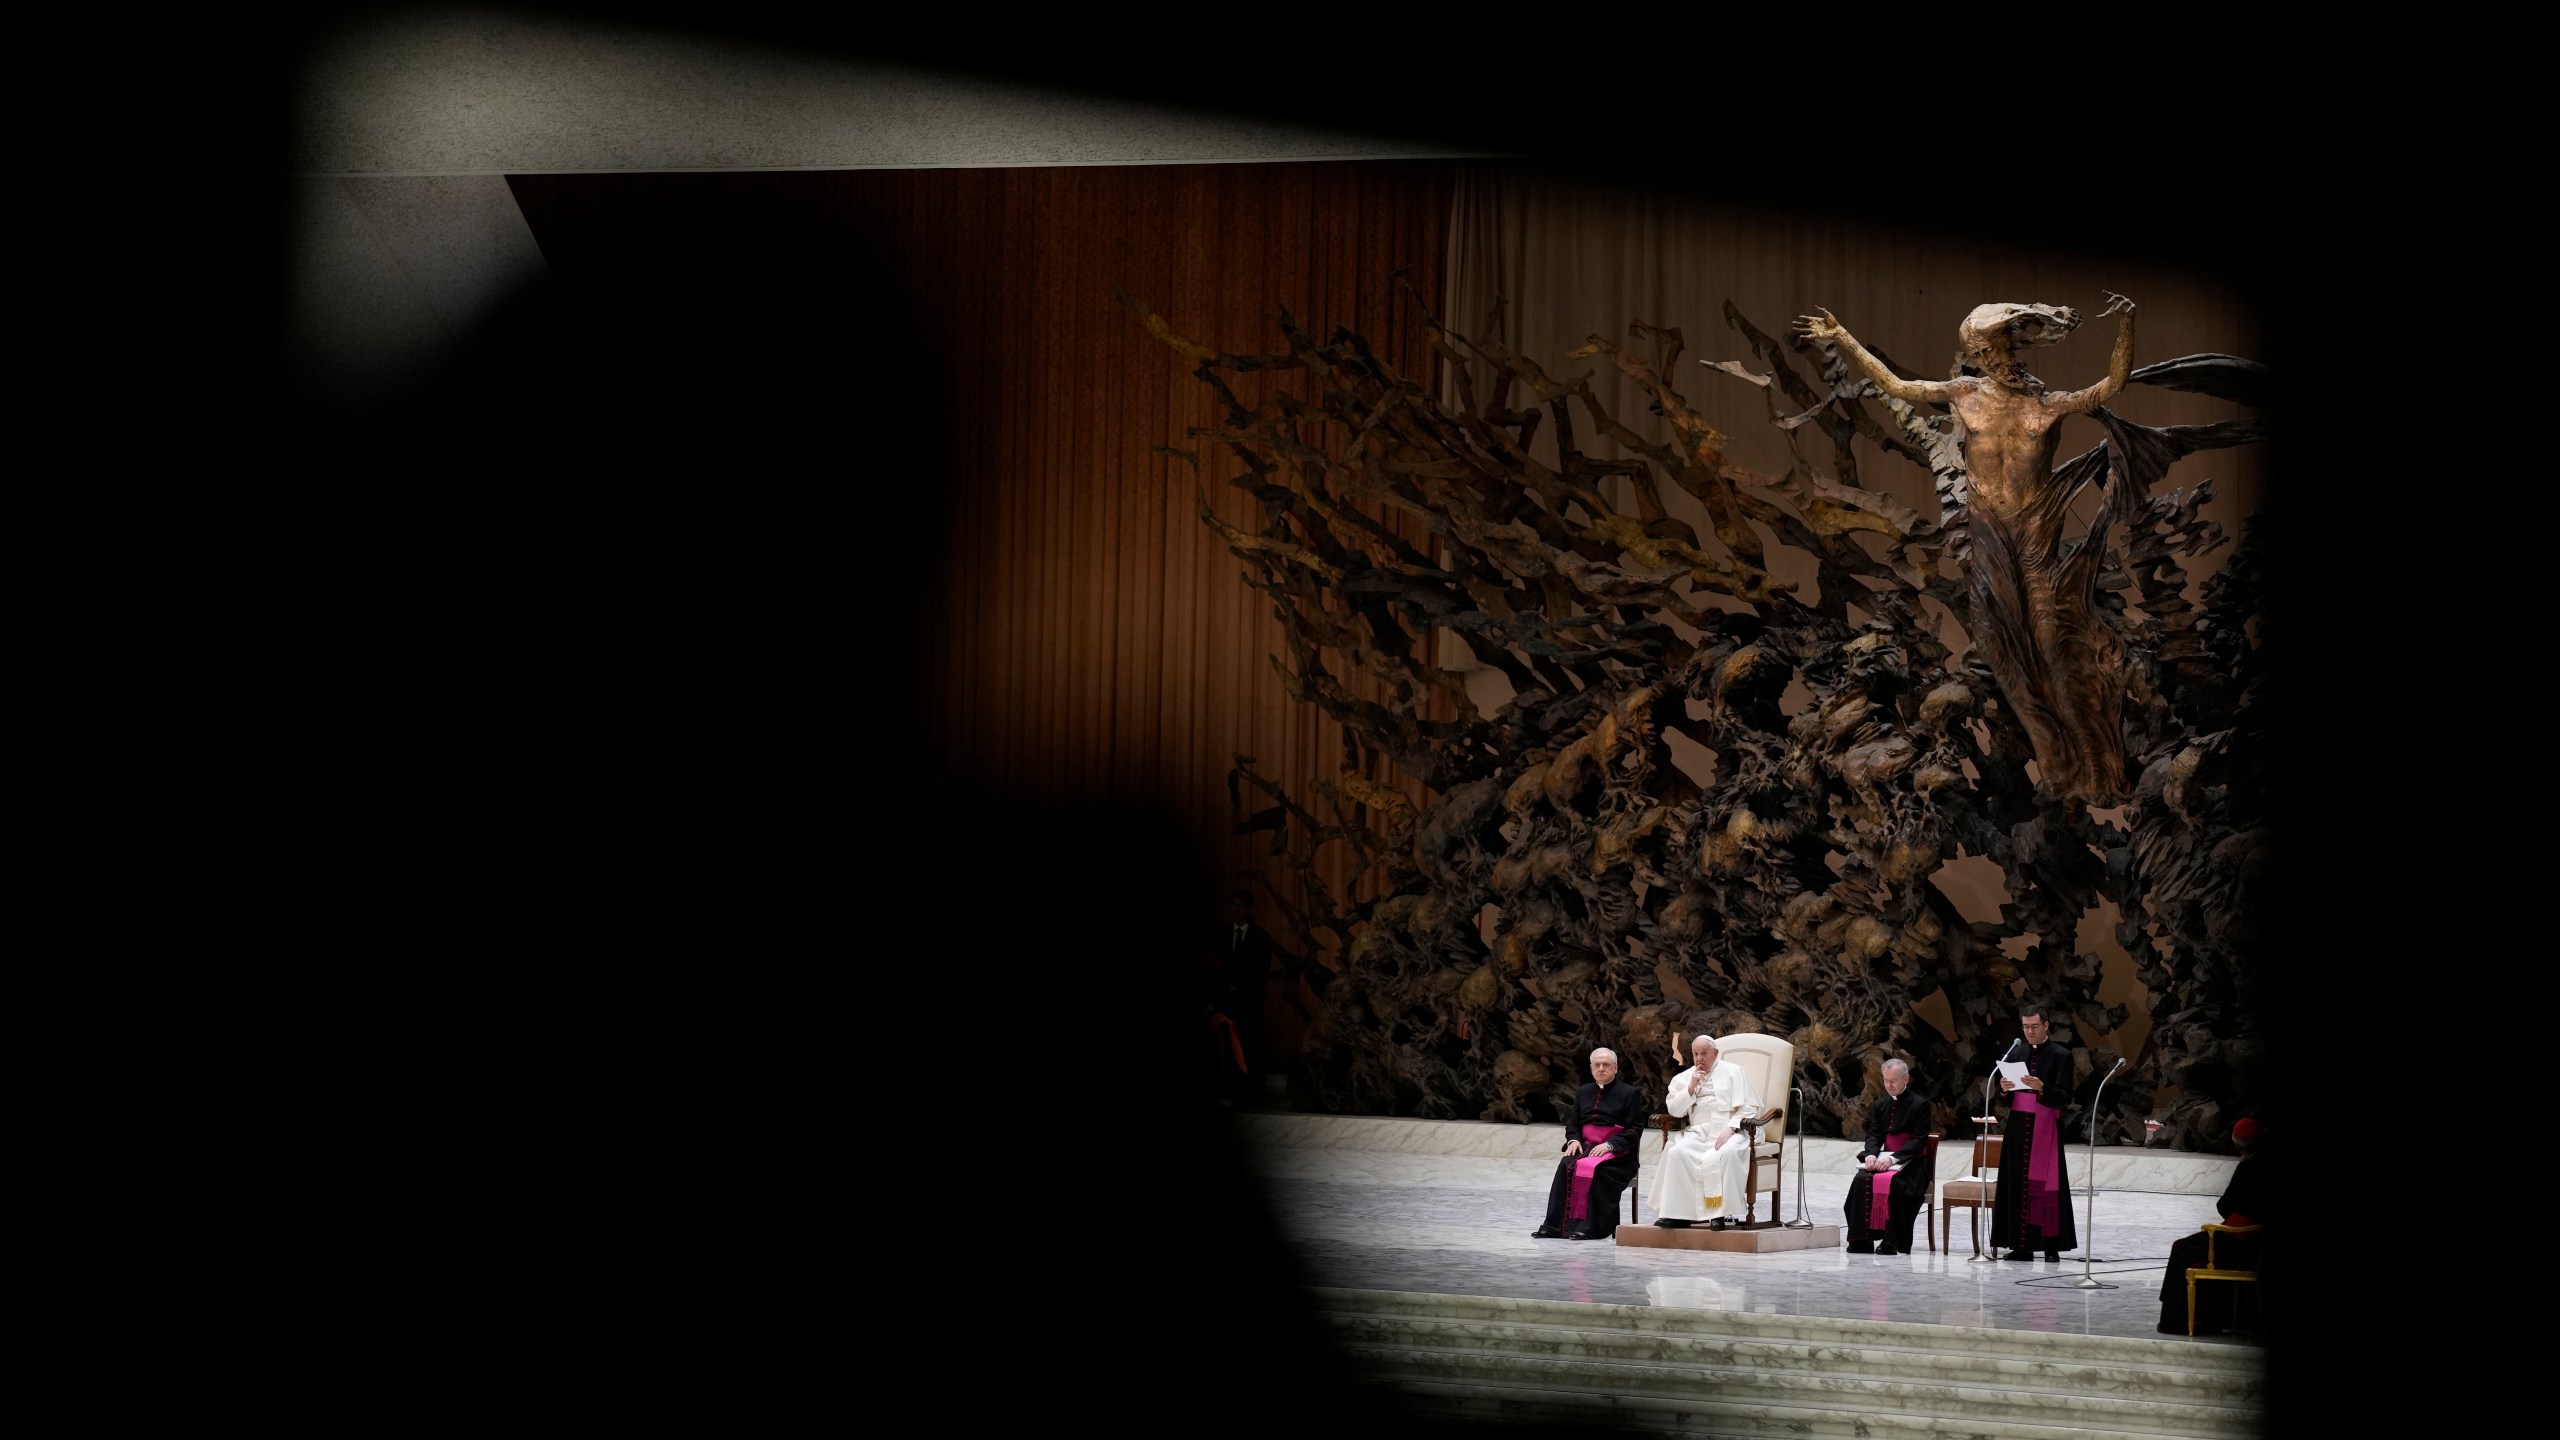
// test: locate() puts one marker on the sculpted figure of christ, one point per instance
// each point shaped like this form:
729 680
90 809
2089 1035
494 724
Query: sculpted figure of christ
2033 613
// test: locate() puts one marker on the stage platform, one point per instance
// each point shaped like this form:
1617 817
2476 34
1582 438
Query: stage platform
1446 1207
1756 1240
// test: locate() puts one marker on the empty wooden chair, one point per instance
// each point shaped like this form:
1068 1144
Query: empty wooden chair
1974 1192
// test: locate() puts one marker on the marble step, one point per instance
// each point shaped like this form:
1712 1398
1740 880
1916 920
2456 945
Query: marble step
1977 1367
1805 1399
1584 1413
2165 1357
1706 1372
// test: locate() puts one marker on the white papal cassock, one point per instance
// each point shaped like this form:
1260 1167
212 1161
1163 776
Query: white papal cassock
1696 1181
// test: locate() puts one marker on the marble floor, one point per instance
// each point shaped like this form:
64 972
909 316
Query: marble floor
1412 1216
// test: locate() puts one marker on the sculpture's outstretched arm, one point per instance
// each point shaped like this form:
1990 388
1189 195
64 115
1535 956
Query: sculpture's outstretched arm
1822 326
2081 402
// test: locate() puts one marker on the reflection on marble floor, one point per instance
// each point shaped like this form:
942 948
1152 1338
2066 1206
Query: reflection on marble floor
1460 1223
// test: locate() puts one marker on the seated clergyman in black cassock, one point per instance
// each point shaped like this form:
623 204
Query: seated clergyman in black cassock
1892 1182
2245 1201
1600 1137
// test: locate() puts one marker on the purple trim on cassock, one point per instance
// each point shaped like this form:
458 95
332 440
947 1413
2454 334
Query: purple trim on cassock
2044 1163
1577 1204
1880 1204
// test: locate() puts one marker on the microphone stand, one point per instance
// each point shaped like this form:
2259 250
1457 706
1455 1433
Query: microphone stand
1986 1118
1799 1223
2089 1227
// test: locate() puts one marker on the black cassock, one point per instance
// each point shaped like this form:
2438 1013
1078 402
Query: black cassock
1622 1105
1908 1116
2049 1062
2244 1201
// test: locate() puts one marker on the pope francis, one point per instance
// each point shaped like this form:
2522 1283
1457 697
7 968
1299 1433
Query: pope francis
1702 1172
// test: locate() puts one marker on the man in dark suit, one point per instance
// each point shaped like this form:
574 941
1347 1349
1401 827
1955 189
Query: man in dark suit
1244 964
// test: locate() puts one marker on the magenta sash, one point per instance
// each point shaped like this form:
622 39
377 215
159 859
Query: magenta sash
2043 1208
1577 1205
1880 1205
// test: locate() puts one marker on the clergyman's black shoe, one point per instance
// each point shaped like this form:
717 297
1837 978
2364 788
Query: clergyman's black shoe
1668 1223
1543 1233
1862 1249
2017 1255
1585 1235
2055 1256
1887 1250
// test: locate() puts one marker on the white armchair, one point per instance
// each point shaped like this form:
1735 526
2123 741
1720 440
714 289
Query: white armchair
1771 1064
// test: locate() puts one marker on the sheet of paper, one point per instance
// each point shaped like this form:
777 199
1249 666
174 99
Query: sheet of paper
2013 1071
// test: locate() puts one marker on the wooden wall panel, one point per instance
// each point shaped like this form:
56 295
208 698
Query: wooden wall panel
1088 638
1084 637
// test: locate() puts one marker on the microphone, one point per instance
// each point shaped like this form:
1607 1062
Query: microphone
1993 1073
2005 1057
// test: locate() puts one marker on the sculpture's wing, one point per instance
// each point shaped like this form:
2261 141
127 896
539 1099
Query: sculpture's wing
2225 377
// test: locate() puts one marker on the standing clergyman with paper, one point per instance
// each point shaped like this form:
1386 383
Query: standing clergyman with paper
2031 1207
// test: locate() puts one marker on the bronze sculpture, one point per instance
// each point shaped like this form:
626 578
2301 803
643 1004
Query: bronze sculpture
2033 604
1789 890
